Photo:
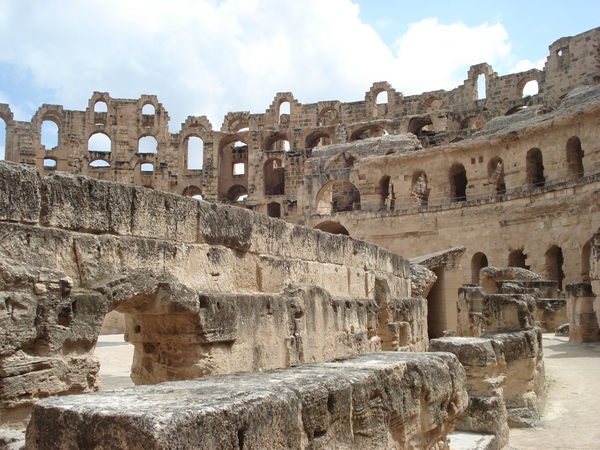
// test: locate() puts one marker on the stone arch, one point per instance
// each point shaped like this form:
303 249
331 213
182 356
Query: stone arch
472 123
419 190
147 144
387 196
99 163
237 193
146 167
236 121
192 191
432 104
277 142
574 158
274 177
479 85
478 262
458 183
417 125
50 130
100 106
496 175
274 209
515 109
317 139
193 146
284 111
527 87
534 168
332 227
99 142
328 116
338 196
368 131
554 265
516 258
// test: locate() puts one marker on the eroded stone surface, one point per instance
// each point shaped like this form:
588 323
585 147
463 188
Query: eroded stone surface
372 401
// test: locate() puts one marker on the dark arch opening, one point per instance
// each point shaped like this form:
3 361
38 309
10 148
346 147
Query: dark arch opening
585 262
458 183
554 265
273 209
333 228
517 258
274 177
496 175
387 197
237 193
478 262
535 167
574 158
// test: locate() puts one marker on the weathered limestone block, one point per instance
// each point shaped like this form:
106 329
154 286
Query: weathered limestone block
49 330
470 311
503 313
19 193
375 401
524 389
583 319
422 279
489 276
483 360
550 313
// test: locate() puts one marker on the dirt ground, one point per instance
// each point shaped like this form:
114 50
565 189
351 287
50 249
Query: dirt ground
571 419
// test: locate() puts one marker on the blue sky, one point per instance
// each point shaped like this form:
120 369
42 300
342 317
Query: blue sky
208 57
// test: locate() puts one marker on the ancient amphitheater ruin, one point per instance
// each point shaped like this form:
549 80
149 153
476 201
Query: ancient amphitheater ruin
426 243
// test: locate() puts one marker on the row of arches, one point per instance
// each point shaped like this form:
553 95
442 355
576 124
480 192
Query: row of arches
553 260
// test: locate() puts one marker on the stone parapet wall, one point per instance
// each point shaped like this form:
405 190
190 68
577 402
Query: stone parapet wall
380 401
205 288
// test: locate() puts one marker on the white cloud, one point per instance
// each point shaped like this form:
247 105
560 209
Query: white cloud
525 65
210 57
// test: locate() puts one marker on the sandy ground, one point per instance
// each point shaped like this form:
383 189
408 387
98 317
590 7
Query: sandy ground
571 419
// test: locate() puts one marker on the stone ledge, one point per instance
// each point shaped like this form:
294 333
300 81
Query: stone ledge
369 401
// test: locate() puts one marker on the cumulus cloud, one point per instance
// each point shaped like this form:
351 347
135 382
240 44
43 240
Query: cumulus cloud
208 57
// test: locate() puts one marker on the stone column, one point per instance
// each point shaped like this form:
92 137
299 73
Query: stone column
583 320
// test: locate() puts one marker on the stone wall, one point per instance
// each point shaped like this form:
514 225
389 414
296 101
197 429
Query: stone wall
380 401
206 289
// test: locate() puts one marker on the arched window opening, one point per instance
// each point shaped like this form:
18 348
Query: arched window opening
382 98
328 117
367 132
496 175
192 191
147 144
100 106
517 258
274 209
195 153
574 158
478 262
49 135
239 169
530 88
239 144
99 163
585 262
317 139
333 228
284 112
419 191
99 142
481 86
148 109
146 168
387 196
49 163
338 196
535 168
237 193
458 183
554 265
274 176
420 125
241 130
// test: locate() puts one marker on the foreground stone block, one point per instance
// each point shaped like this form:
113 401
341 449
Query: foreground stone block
376 401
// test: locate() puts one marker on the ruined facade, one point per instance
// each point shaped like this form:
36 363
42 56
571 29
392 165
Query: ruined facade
462 176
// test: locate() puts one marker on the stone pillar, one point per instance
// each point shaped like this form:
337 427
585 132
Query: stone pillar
470 307
583 320
483 360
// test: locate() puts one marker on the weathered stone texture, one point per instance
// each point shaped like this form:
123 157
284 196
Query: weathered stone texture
374 401
206 289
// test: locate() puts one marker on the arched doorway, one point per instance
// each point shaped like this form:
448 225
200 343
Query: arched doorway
478 262
332 227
